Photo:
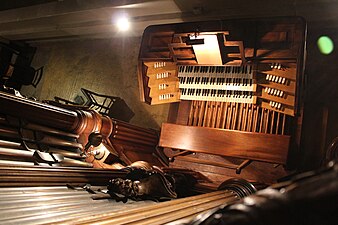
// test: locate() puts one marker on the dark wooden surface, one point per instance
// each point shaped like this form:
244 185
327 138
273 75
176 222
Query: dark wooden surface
38 112
214 174
129 142
246 145
14 176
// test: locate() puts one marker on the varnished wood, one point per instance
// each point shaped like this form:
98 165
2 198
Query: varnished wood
214 175
234 116
206 162
246 145
52 176
201 109
42 123
48 114
278 52
182 114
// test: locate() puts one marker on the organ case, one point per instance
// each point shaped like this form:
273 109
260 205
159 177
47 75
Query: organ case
246 98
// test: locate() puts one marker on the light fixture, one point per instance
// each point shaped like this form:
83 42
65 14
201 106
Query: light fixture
194 40
206 49
123 23
325 45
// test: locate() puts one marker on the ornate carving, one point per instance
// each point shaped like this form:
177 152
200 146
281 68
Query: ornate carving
141 184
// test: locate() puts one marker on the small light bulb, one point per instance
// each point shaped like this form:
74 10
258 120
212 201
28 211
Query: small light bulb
325 45
123 24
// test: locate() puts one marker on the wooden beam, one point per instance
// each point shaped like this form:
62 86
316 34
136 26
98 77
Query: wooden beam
38 112
71 18
90 31
240 144
62 8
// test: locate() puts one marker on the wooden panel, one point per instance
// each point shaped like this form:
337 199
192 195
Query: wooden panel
256 146
166 98
255 172
285 109
38 112
289 85
182 114
162 82
163 88
283 99
287 72
133 143
158 67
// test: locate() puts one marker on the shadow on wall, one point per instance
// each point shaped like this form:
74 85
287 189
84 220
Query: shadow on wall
107 66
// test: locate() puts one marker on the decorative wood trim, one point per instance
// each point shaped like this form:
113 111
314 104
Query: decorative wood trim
246 145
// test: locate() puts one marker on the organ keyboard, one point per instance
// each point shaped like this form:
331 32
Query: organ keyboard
273 84
217 83
217 77
217 95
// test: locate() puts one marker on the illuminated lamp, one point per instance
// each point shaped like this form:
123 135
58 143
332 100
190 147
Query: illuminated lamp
123 24
206 49
325 45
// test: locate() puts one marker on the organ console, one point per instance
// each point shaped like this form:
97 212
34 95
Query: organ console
235 93
266 70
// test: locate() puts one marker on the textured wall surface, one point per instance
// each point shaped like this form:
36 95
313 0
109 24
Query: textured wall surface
105 66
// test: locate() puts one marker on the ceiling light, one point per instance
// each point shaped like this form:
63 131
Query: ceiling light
123 24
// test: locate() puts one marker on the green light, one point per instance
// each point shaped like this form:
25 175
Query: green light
325 45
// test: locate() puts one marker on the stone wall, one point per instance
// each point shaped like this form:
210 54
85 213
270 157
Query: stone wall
105 66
